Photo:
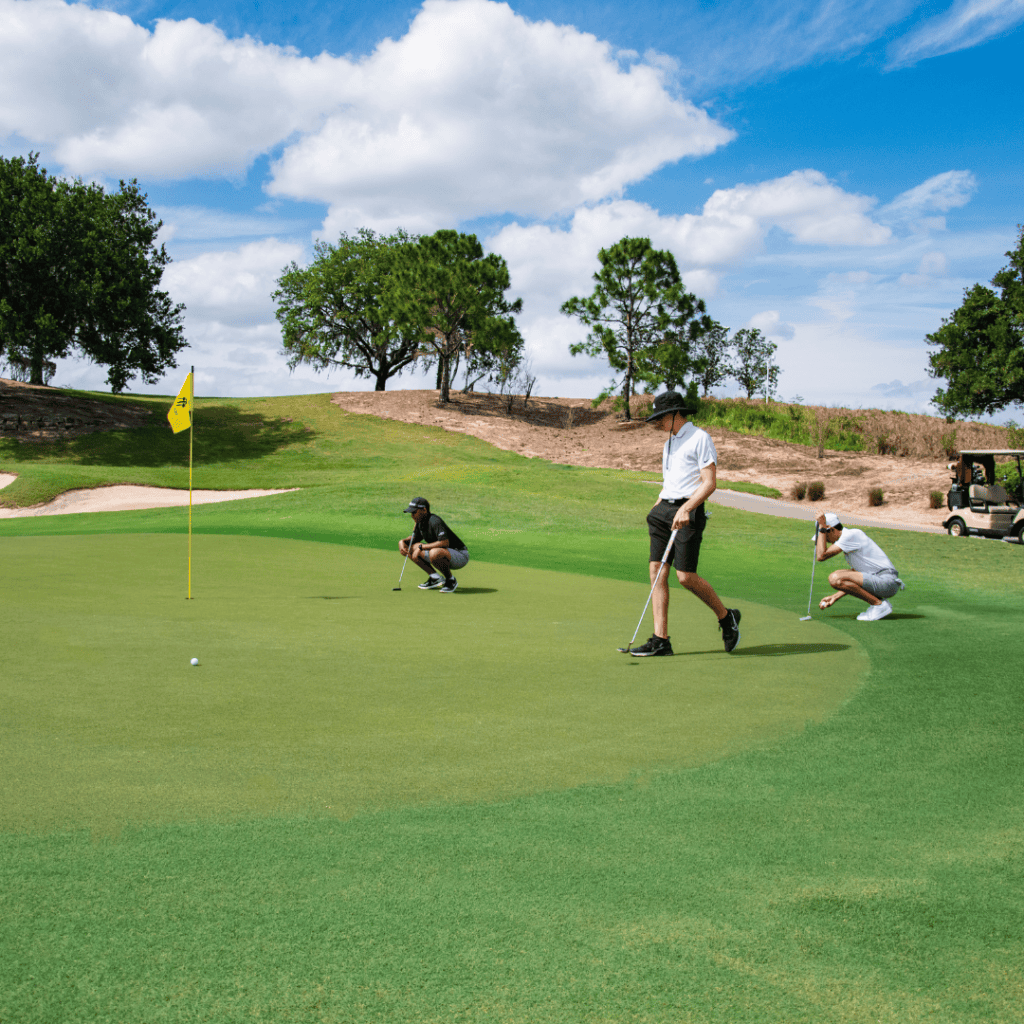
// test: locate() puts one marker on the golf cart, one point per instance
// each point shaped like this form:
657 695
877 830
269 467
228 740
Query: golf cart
980 506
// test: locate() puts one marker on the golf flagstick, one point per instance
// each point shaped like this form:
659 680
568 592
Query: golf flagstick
814 562
664 559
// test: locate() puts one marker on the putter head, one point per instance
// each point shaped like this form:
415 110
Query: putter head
396 588
805 618
623 650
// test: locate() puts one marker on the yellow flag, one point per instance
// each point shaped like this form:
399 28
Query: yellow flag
180 414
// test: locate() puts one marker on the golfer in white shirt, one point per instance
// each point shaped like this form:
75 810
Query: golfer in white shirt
871 576
689 467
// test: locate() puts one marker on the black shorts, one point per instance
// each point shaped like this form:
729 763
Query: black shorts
686 550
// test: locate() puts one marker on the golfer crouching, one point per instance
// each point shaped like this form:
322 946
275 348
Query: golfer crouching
871 576
689 477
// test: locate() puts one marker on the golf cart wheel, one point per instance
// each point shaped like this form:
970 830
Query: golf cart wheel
957 528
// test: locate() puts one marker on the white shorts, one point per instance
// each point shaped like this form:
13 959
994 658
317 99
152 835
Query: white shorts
882 585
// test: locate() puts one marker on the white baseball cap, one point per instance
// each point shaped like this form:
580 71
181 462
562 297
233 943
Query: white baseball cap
831 520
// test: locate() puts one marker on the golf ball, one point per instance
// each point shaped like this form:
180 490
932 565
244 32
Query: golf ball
195 661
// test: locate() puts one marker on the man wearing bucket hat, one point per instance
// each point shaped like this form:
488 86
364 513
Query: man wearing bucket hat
434 547
871 576
689 468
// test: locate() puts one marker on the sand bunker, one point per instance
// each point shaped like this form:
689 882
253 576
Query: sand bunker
124 498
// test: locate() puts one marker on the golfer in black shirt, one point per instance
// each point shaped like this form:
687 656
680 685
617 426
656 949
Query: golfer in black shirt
434 547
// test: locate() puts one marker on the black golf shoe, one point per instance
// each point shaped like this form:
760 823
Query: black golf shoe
432 583
449 585
730 627
656 647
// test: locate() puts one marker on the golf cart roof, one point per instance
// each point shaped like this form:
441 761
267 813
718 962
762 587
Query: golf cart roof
994 451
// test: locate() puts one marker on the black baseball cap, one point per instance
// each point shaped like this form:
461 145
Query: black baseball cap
417 503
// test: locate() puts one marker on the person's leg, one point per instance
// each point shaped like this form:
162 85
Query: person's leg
441 562
700 587
659 602
847 581
419 556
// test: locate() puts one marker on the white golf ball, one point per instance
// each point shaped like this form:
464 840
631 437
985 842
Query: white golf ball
195 661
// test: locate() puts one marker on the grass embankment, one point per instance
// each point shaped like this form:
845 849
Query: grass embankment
268 443
876 431
868 868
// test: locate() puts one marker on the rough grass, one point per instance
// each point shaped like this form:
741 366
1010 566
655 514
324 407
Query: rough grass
869 868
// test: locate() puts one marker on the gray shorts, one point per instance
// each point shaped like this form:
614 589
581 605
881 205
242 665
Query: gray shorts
883 584
459 557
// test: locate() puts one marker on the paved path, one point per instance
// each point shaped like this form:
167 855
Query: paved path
792 510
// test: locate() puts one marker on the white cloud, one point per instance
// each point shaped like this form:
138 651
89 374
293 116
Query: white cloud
474 111
770 324
477 110
200 223
107 96
967 23
232 286
942 192
553 263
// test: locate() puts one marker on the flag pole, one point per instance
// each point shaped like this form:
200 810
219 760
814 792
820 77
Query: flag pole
192 416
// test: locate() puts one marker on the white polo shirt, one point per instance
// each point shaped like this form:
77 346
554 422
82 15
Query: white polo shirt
862 554
685 454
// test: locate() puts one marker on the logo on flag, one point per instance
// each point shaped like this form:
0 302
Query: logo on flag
180 414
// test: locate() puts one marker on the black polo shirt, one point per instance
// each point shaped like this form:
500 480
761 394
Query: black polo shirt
434 528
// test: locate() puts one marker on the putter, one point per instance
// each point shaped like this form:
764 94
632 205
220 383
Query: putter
814 562
664 559
402 573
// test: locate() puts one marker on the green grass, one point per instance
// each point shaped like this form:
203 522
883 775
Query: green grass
303 704
867 867
793 423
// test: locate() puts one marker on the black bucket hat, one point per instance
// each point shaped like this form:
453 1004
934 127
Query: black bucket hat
669 402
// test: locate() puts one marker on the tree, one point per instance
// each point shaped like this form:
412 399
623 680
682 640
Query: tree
710 355
754 369
640 316
452 296
338 311
80 272
981 346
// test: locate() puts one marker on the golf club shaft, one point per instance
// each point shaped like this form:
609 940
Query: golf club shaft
664 559
404 564
814 562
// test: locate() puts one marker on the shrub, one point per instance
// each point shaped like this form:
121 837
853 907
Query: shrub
949 447
1014 435
936 499
876 497
816 490
884 445
798 491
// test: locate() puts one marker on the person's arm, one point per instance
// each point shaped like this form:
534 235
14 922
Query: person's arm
708 485
823 553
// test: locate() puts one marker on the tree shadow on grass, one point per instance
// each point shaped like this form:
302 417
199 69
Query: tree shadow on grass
223 433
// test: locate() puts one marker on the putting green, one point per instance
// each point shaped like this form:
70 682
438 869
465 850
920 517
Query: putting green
320 690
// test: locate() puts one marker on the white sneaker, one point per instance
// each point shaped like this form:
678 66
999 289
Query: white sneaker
876 611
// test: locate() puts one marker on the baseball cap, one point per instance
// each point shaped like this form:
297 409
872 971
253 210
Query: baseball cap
417 503
831 520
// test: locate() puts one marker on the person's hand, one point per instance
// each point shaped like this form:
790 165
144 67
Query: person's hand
681 519
821 522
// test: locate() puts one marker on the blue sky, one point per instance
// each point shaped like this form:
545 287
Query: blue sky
835 173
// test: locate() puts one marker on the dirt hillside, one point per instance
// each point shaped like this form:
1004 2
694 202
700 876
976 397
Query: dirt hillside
568 430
